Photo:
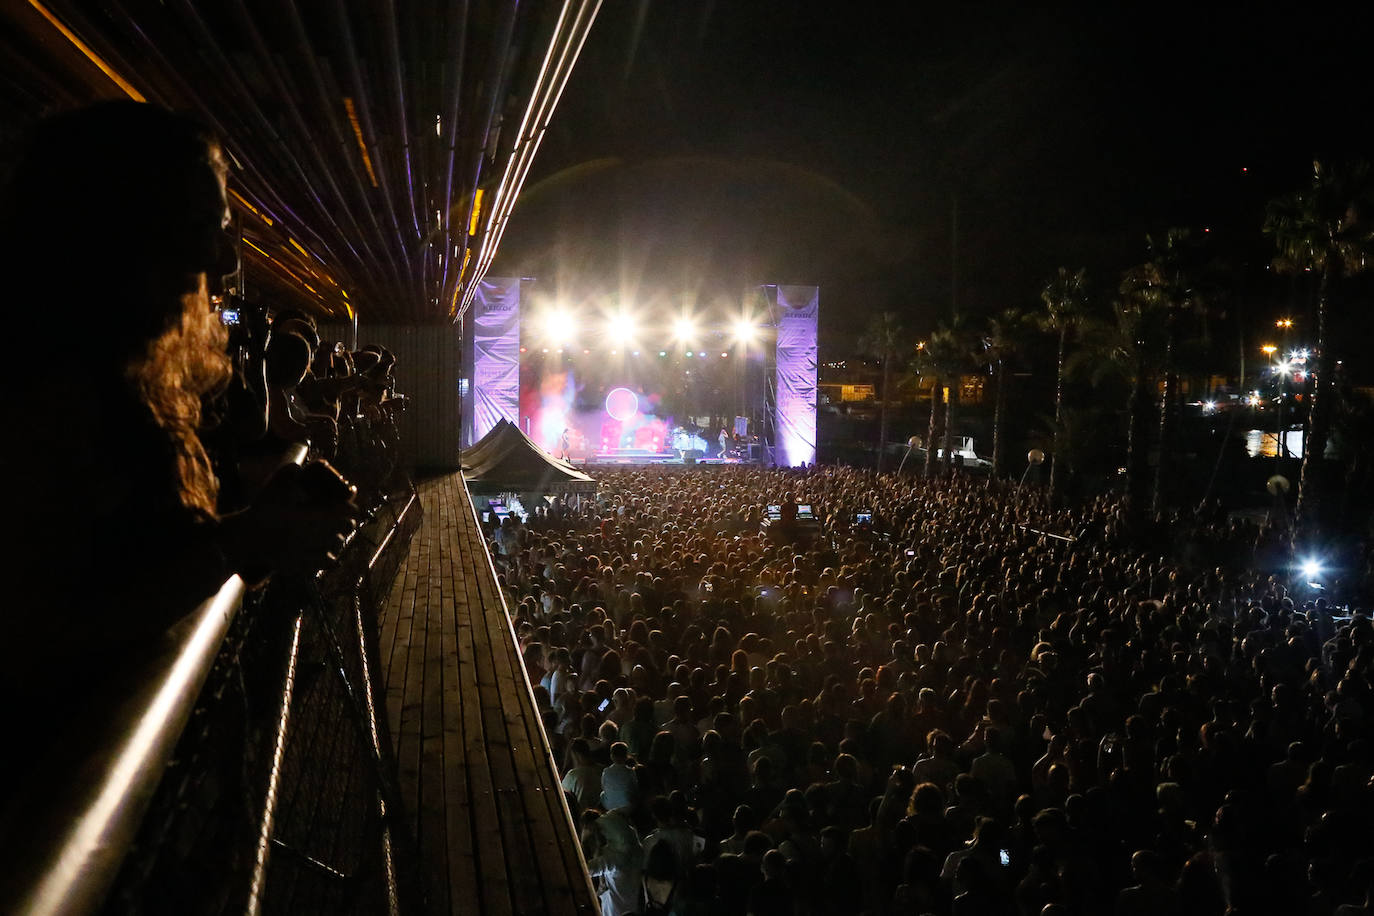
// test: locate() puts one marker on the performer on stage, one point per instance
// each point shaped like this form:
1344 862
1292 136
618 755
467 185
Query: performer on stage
564 444
724 441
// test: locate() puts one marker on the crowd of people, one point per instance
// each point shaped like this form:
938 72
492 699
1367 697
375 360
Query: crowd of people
945 710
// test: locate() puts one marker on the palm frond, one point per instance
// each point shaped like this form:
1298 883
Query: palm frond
1065 299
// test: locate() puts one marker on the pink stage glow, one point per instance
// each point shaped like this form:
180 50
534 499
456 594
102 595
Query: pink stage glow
550 410
622 404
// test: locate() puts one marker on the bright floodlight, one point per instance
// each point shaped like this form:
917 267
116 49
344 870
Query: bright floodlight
1210 405
684 329
622 327
745 332
1311 569
559 325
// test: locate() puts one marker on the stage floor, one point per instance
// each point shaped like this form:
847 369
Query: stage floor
622 457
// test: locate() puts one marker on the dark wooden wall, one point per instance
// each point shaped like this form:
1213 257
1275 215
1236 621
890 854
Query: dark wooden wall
428 364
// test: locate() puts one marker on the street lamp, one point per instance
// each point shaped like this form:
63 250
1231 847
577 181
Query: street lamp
1269 349
1285 325
911 444
1034 458
1278 487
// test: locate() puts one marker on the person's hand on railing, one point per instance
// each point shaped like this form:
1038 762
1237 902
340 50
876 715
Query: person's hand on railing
297 524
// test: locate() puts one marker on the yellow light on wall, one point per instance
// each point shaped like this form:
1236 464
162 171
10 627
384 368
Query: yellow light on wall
476 211
124 85
255 211
358 135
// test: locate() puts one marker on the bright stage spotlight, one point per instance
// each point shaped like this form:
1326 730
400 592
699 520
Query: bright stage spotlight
1311 569
559 326
745 332
684 329
622 327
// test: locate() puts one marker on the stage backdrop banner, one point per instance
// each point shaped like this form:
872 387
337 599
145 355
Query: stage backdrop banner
495 355
794 316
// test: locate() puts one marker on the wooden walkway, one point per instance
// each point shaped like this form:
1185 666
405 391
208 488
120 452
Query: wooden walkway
479 784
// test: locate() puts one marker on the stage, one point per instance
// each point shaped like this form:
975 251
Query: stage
601 382
631 457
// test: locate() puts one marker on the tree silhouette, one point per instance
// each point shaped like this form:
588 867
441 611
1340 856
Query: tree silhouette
1120 350
1066 301
1325 229
945 357
1169 285
1006 338
885 340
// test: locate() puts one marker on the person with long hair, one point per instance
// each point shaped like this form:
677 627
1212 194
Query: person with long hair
113 242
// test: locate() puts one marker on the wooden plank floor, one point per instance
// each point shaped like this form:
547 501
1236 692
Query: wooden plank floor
480 787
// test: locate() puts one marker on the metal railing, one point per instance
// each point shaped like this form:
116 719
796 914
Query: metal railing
1064 538
246 768
66 838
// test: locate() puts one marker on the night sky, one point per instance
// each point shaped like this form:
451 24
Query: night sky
702 148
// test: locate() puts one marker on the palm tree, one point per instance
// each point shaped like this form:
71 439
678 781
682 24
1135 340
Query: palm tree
963 348
944 357
1119 350
924 364
1325 228
1066 301
1167 285
1006 335
885 340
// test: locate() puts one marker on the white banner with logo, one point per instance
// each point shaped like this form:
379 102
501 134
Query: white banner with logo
794 316
496 354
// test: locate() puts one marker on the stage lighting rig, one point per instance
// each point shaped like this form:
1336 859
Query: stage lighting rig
684 329
622 328
559 326
745 331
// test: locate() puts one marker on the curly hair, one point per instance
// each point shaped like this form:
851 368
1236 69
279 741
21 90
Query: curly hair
170 380
112 220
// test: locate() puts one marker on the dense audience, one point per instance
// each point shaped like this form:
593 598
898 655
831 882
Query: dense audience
946 711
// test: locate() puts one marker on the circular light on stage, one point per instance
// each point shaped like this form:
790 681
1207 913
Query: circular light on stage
622 404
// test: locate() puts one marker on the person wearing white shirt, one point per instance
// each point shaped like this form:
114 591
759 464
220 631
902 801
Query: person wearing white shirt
619 784
617 864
